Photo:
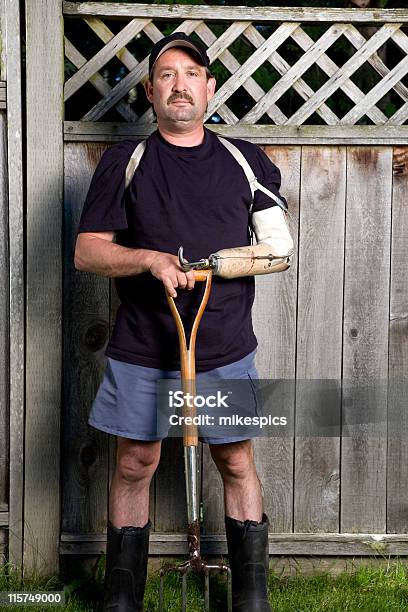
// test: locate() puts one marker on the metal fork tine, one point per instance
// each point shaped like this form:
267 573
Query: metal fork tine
202 568
184 593
207 591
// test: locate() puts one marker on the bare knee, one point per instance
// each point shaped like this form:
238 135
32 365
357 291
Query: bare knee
235 460
136 460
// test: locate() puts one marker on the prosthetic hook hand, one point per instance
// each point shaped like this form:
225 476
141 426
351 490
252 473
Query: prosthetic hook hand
272 253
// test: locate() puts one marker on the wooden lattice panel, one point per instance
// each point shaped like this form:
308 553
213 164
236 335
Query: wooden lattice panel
372 89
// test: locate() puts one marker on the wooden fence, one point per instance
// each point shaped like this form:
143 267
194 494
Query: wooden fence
340 312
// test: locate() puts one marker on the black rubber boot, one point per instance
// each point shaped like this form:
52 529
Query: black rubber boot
126 568
249 561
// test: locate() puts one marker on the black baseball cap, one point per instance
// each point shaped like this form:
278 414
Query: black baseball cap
178 39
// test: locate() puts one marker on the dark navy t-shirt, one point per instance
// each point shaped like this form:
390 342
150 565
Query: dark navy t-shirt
197 197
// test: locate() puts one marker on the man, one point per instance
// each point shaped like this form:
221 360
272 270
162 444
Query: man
187 190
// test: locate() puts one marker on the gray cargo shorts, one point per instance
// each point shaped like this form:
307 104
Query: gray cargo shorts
126 402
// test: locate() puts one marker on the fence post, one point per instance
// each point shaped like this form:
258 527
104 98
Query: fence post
11 71
44 37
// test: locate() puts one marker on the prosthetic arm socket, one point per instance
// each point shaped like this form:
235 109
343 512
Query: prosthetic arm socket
272 253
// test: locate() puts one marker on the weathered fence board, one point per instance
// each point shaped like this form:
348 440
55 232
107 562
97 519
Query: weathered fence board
3 95
170 501
365 339
11 28
260 134
229 13
4 316
84 449
43 283
4 521
275 327
397 456
4 301
212 494
316 544
319 339
3 36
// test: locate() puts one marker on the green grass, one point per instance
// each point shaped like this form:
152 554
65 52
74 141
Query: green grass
10 581
368 589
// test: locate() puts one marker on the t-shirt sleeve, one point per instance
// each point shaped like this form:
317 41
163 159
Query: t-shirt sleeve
104 207
269 176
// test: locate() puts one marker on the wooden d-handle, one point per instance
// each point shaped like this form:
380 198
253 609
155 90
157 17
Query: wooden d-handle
187 354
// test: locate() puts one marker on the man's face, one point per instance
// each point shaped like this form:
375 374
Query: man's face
179 90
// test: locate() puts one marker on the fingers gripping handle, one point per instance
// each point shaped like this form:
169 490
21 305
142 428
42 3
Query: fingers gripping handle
203 275
187 354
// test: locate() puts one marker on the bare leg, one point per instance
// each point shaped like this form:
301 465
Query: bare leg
242 488
136 462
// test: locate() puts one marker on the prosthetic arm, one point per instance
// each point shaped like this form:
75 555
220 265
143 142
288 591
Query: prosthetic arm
272 253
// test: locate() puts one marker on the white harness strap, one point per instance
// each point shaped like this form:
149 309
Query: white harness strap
134 162
235 152
252 180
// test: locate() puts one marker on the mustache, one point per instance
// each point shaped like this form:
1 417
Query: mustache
180 96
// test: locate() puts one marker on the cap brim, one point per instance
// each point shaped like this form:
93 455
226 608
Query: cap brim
179 43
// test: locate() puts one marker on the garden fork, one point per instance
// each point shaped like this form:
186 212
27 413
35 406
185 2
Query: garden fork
190 443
